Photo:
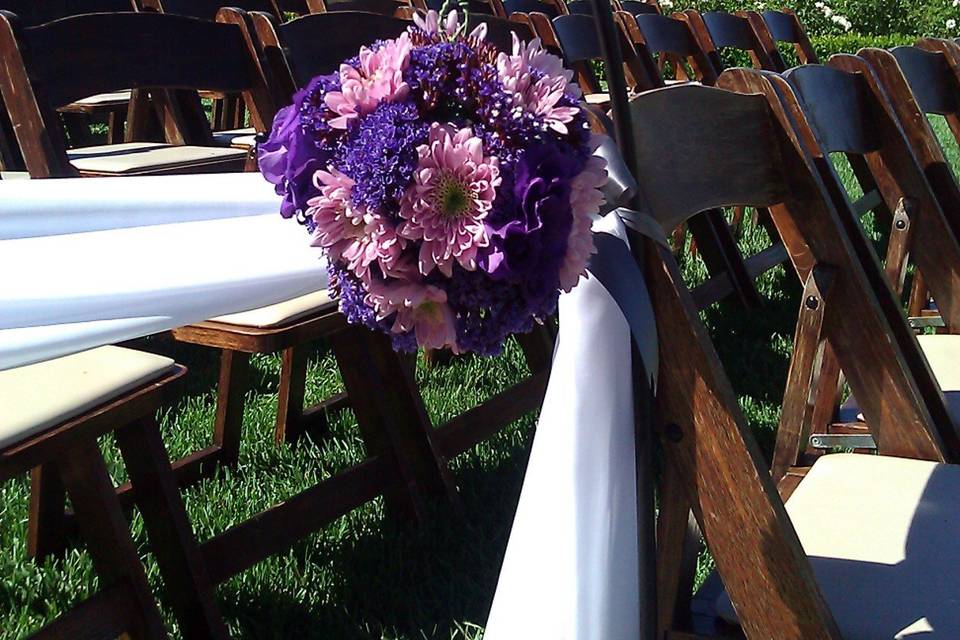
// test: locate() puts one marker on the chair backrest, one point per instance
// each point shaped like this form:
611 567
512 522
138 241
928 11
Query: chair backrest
208 9
932 80
316 44
49 66
924 84
35 12
637 8
580 45
744 152
382 7
672 39
529 6
500 31
719 30
580 7
785 26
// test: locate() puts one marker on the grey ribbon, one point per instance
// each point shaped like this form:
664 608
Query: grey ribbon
617 270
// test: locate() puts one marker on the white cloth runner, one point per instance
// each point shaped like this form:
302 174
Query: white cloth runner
65 293
571 566
30 208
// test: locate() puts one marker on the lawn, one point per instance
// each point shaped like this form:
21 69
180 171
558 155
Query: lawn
366 576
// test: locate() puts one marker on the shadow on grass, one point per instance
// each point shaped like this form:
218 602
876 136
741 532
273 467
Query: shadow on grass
398 579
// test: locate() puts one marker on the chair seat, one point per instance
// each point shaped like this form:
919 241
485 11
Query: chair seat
883 538
39 396
942 352
276 315
241 138
114 98
14 175
131 158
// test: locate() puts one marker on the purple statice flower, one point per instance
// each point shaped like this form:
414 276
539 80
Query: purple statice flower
347 289
380 154
489 311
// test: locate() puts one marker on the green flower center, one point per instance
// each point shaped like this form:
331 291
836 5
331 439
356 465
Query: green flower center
453 198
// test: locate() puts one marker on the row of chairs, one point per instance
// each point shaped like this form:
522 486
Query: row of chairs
878 530
407 457
156 490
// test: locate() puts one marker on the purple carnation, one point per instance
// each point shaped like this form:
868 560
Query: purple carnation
530 244
295 149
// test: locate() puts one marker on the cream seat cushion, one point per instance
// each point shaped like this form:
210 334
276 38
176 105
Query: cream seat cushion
282 313
883 538
14 175
600 99
943 355
241 138
112 97
140 157
39 396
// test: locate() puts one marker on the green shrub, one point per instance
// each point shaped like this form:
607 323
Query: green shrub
826 46
937 18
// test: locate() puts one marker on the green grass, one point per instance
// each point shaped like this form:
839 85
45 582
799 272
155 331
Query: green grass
366 576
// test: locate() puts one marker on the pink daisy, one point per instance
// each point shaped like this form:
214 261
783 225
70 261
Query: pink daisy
541 95
431 24
585 200
379 78
420 308
453 190
350 233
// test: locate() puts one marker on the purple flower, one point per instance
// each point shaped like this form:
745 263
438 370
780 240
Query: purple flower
295 150
381 155
519 170
531 244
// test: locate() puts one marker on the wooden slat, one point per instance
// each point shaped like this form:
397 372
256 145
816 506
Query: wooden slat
476 425
279 527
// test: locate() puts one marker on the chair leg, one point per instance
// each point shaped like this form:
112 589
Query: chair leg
107 535
231 389
293 380
188 586
537 348
391 417
46 535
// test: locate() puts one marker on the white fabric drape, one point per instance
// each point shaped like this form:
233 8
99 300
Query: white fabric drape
571 567
150 254
31 208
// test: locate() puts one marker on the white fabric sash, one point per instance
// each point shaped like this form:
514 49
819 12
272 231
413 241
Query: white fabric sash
571 567
150 254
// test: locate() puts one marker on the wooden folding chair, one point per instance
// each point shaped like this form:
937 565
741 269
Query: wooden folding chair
110 108
52 65
841 108
670 40
712 461
53 413
924 80
784 26
658 40
228 115
382 7
717 31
